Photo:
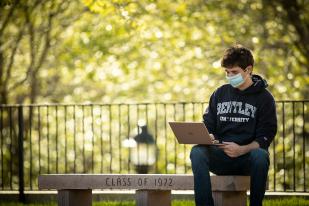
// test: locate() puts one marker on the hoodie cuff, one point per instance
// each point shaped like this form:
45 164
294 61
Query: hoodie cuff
263 142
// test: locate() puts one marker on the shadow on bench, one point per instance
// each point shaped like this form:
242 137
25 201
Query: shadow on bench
151 189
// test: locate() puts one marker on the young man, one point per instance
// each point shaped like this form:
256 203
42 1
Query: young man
242 115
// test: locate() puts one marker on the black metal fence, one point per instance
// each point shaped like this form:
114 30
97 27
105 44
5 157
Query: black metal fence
89 138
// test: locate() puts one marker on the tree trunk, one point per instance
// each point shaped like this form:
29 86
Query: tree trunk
3 92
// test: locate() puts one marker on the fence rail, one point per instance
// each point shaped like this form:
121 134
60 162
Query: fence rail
89 138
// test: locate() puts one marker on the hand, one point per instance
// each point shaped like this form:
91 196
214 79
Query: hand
212 137
232 149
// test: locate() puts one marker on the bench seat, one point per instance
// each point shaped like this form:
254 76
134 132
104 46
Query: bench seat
151 189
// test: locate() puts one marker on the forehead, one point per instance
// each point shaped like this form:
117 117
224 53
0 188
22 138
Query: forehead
233 69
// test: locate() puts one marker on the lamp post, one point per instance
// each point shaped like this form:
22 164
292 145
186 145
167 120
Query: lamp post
143 155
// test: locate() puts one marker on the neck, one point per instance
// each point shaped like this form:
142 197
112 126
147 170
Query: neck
246 84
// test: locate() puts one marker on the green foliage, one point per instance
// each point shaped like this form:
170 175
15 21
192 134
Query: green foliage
170 51
120 50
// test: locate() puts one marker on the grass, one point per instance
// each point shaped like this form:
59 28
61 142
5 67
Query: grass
294 201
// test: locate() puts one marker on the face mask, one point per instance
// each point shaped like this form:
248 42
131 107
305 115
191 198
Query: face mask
236 80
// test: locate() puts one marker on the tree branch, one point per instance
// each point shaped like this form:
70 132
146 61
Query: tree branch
46 44
12 57
293 11
8 17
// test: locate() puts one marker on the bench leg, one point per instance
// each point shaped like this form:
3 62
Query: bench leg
230 198
74 197
153 197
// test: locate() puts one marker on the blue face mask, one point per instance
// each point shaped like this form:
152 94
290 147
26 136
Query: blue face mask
235 80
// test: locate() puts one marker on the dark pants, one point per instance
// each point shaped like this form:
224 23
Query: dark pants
213 159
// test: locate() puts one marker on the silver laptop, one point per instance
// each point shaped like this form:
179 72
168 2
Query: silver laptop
192 133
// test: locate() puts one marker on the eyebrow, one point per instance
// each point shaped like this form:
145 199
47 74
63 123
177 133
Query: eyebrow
231 70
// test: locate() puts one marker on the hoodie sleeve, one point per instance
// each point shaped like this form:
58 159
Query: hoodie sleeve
266 128
210 115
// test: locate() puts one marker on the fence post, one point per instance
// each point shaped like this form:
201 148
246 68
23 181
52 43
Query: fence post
21 154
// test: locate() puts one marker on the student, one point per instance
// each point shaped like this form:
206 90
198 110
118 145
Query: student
242 115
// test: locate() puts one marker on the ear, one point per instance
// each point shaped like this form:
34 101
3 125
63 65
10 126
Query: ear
250 69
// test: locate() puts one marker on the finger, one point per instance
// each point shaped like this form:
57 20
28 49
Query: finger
212 136
215 141
225 146
229 154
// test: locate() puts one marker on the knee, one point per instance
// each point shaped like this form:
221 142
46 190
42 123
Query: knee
198 153
260 157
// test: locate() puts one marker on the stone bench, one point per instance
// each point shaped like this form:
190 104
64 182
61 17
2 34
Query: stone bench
151 189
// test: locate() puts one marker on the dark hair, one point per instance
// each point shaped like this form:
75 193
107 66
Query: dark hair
237 55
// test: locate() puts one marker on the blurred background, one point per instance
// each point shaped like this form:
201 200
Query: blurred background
77 78
119 51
